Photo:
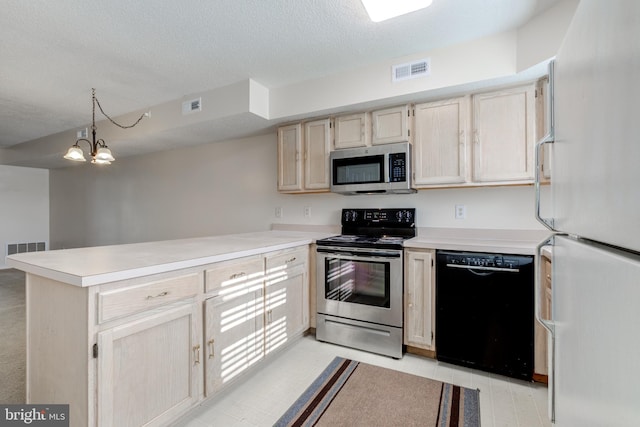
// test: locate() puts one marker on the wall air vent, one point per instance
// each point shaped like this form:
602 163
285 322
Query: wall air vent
18 248
192 106
411 70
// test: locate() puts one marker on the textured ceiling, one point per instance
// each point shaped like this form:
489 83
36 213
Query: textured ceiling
142 53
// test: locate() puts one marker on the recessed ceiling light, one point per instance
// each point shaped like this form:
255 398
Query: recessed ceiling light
379 10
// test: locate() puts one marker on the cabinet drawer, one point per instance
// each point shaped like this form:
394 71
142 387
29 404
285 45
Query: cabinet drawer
235 274
116 303
287 258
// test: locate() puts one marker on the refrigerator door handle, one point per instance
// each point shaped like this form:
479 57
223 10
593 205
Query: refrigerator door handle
548 324
547 222
549 138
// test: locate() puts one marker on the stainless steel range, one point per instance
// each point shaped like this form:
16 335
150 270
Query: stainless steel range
360 280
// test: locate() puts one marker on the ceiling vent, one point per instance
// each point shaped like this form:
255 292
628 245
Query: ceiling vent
192 106
411 70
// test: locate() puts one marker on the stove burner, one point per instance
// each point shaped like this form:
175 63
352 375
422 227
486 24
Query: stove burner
390 242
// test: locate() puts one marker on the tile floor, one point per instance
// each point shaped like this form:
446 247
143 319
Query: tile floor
261 397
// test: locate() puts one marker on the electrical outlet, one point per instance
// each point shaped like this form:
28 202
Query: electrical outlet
278 212
307 211
461 211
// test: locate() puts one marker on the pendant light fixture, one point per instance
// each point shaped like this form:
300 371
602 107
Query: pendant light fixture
100 153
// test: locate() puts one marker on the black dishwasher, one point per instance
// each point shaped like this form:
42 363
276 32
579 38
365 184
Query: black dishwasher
484 311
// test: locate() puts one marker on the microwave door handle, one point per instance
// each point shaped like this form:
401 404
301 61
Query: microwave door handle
386 168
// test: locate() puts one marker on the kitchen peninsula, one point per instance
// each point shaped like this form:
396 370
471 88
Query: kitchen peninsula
127 334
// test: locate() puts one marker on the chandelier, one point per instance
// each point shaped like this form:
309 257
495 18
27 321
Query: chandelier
100 153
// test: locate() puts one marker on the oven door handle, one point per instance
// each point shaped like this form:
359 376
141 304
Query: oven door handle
360 254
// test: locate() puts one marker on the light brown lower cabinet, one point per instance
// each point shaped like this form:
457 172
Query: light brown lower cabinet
541 347
249 316
234 337
149 369
144 351
419 302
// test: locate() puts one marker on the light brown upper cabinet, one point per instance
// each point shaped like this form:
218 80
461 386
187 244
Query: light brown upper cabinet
543 120
289 158
303 156
504 135
353 130
317 146
390 125
440 149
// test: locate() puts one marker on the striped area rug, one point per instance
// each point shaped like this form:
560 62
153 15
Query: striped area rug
350 393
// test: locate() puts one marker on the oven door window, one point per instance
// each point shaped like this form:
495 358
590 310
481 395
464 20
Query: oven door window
358 282
360 170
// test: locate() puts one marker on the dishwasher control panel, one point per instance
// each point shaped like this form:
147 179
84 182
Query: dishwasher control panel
483 260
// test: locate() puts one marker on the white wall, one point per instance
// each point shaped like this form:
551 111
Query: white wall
540 38
230 187
24 207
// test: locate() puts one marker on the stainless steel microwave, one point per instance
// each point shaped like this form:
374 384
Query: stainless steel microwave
381 169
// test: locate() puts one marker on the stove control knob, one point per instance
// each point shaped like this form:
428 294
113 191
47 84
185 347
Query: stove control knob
408 216
350 216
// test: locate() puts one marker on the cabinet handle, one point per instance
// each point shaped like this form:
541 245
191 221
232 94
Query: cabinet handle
196 354
161 294
290 260
211 348
238 275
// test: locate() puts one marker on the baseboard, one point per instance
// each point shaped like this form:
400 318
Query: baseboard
421 352
540 378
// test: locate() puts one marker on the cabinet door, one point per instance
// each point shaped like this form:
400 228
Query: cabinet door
504 135
317 144
543 121
353 130
233 337
390 125
420 299
286 306
149 370
541 366
439 148
289 158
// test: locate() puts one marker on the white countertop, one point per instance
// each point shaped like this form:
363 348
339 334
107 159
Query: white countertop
103 264
523 242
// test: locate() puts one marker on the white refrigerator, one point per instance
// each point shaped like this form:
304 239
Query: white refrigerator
595 203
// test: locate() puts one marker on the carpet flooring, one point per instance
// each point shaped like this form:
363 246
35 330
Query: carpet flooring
350 393
12 337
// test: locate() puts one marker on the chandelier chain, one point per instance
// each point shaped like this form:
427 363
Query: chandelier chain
110 119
